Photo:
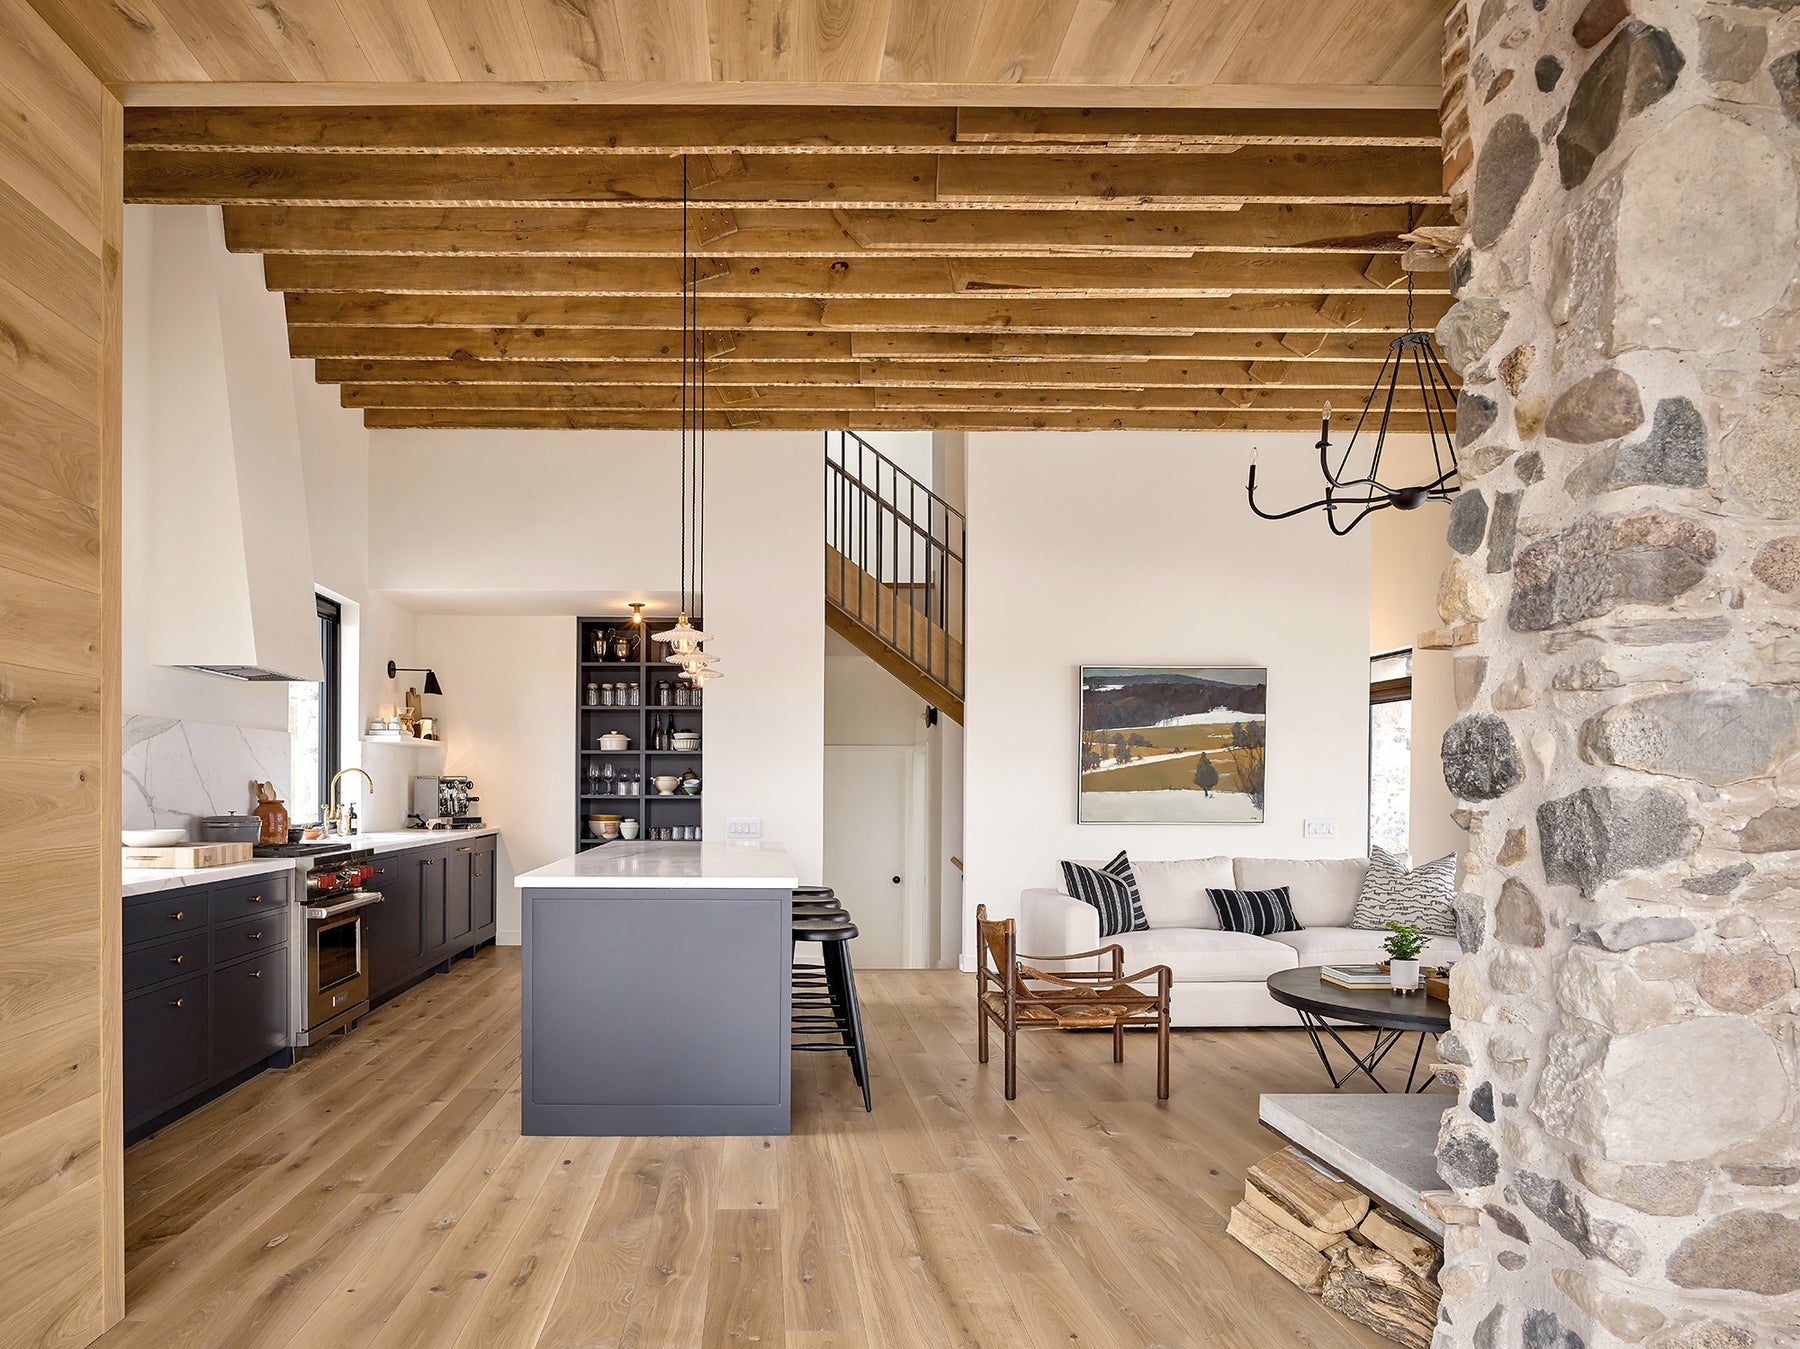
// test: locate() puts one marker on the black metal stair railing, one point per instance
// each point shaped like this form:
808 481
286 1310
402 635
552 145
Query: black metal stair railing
897 550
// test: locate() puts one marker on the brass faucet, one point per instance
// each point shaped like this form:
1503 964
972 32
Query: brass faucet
338 816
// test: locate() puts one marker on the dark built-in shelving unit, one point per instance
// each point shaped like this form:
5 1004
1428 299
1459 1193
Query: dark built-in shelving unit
648 669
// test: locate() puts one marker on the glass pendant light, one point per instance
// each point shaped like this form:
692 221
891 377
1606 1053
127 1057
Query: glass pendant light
684 639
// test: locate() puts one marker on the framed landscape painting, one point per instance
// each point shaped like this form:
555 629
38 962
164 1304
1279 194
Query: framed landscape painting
1172 745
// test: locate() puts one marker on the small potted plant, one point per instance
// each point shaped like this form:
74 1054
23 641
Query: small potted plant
1403 944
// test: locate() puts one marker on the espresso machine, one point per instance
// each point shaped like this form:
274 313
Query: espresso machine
445 803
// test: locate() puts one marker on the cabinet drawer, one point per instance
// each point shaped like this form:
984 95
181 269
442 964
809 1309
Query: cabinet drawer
249 1011
164 915
260 894
159 961
166 1046
249 936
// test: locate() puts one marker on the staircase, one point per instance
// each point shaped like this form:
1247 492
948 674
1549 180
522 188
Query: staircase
894 570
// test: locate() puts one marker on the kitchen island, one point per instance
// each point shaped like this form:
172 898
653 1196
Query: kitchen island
656 990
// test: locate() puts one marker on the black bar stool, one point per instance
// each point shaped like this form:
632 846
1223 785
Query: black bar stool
836 1012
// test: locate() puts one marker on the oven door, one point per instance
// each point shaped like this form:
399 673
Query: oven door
337 977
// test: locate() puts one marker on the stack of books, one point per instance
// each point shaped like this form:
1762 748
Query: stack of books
1354 976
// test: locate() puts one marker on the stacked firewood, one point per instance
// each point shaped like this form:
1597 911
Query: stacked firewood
1328 1237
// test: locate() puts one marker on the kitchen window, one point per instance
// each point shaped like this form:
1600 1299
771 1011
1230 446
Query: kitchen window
1390 750
313 720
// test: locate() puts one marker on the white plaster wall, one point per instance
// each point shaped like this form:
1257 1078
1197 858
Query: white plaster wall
1408 555
765 615
510 725
1115 548
500 513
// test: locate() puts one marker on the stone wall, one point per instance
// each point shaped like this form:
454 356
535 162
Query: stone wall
1628 753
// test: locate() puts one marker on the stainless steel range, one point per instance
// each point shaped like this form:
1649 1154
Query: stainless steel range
331 990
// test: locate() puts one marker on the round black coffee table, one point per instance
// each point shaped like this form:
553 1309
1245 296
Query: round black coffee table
1391 1016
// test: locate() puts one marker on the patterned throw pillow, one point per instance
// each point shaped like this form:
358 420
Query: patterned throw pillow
1258 912
1113 892
1422 896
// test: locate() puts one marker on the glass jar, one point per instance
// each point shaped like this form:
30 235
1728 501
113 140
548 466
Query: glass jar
593 695
637 694
681 695
606 695
663 695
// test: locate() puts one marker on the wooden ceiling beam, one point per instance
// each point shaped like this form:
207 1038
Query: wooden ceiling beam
840 397
503 344
755 231
1150 129
1091 419
620 129
1211 274
1385 312
1372 175
1338 379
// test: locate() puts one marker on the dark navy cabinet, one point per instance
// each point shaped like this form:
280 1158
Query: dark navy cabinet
438 903
205 974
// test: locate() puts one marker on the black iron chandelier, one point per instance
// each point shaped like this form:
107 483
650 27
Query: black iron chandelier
1360 497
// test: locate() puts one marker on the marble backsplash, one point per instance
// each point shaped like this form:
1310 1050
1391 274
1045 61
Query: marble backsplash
176 770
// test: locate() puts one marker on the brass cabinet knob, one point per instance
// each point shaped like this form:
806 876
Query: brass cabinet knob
256 936
256 974
178 1002
256 899
177 916
176 960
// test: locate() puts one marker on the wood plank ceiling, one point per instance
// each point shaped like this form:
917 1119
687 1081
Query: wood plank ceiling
931 250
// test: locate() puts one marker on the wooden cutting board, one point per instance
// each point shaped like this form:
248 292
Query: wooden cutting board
191 856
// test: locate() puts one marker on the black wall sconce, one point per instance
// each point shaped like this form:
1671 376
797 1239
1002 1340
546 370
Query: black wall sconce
431 679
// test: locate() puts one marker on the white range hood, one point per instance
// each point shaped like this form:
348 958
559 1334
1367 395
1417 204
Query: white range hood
230 551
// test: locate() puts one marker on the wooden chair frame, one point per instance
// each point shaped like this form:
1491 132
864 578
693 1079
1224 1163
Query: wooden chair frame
1029 998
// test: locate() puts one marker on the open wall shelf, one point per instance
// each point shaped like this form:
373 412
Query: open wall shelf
646 668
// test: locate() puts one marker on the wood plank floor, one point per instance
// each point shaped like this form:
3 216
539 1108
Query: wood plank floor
379 1195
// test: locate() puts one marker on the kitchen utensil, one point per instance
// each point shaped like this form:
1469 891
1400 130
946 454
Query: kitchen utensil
270 810
615 741
686 741
151 838
232 828
665 784
628 828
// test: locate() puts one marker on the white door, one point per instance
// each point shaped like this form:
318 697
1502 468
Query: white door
868 824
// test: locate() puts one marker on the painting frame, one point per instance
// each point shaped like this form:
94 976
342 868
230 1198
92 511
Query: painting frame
1218 712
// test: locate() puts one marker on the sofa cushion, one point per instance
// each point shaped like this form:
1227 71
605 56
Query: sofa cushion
1421 897
1174 893
1324 890
1111 889
1354 946
1258 912
1195 955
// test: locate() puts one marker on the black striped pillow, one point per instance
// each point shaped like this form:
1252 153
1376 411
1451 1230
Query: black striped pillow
1113 892
1258 912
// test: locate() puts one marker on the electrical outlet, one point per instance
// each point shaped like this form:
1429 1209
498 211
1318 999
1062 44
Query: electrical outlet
1321 829
742 828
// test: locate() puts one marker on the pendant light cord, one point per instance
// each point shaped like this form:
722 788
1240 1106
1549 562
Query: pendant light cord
685 401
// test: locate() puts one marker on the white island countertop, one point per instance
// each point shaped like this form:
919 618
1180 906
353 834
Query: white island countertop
641 865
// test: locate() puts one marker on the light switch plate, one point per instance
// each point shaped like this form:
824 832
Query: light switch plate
1321 829
743 828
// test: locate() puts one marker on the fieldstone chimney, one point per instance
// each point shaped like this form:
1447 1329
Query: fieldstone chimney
1627 591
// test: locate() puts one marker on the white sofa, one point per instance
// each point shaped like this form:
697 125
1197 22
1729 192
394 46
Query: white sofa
1219 975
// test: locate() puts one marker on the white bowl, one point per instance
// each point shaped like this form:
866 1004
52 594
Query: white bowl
151 838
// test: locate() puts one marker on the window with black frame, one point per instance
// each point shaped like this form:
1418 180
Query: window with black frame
1390 751
313 721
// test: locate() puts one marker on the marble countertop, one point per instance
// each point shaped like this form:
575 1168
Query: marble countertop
148 880
642 865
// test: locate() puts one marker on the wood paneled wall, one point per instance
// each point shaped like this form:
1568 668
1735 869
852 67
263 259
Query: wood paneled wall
61 1157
